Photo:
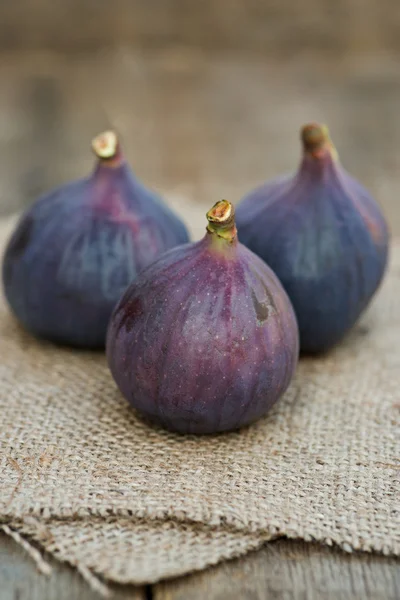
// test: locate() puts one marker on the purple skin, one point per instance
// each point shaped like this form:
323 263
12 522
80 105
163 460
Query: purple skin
205 340
325 238
75 251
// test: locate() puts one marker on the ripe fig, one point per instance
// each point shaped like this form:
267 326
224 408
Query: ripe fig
323 235
76 249
205 340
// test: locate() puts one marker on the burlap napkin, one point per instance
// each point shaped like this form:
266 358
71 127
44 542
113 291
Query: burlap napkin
98 487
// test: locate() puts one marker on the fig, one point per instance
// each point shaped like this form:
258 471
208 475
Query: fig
323 235
76 249
205 340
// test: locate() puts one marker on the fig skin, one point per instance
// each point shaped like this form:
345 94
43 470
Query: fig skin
324 236
205 340
76 249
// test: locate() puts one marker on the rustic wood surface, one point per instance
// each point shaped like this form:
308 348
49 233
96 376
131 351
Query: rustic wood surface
282 27
282 570
201 128
20 580
285 570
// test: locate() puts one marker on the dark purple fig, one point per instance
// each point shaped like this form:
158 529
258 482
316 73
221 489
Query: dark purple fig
205 340
323 235
76 249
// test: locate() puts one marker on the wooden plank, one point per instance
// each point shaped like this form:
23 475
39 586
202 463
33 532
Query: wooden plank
285 570
284 28
20 580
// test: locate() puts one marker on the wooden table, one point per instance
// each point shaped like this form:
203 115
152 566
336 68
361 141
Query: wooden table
204 126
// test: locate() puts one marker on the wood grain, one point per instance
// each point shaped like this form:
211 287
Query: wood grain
283 28
20 580
286 570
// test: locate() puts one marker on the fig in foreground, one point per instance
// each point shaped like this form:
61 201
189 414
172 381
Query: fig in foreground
205 340
323 235
76 249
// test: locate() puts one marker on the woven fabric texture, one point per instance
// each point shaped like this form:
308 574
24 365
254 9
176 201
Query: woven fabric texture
100 488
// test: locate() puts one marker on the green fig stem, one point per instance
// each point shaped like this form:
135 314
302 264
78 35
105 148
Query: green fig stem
221 221
317 142
107 148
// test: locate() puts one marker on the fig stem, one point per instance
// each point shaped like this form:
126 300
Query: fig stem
107 148
316 141
221 220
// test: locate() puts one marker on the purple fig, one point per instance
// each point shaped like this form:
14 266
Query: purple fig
76 249
323 235
205 340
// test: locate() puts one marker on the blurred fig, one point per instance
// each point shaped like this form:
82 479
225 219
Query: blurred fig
205 340
76 249
323 235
